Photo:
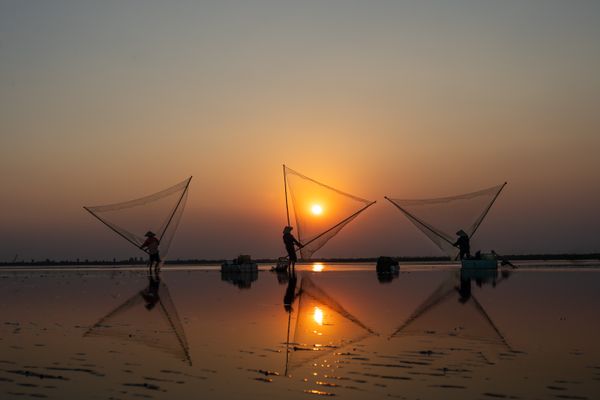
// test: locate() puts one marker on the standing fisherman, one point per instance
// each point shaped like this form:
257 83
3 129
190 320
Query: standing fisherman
464 244
151 244
289 240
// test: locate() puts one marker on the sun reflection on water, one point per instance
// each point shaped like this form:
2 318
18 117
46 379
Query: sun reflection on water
318 267
318 316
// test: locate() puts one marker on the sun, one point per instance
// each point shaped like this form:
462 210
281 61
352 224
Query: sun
316 209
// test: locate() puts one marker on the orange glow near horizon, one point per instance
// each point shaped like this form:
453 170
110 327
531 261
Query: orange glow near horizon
318 267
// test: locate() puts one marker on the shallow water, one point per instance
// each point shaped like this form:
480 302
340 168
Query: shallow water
111 333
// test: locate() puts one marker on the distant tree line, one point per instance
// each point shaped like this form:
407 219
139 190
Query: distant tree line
195 261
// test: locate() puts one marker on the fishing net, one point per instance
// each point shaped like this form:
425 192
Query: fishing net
149 318
440 218
159 212
443 314
322 325
320 211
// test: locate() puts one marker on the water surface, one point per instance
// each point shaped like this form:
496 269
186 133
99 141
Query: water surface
427 332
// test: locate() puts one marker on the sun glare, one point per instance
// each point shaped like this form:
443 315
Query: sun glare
316 209
318 316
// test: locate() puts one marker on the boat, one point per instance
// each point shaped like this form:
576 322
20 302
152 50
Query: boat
281 265
242 263
387 269
387 264
484 261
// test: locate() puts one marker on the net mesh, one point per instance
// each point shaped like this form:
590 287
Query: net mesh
443 314
320 211
159 212
322 325
440 218
149 318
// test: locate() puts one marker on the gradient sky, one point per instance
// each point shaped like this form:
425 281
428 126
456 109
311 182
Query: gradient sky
107 101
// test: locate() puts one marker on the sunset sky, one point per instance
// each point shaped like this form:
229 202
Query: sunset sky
105 101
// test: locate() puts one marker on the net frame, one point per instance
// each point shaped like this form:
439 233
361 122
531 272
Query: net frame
309 290
444 293
168 312
170 222
440 238
309 245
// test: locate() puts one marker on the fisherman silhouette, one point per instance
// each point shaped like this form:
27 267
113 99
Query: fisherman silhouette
151 246
463 244
289 240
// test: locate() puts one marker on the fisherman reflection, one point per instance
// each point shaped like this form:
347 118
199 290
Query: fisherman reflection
290 291
464 245
465 288
481 278
150 294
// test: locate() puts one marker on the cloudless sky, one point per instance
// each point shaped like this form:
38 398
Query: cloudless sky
103 101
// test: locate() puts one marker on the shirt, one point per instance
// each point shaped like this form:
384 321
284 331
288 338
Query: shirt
152 244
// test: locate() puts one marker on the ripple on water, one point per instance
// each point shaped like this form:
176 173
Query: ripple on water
264 372
84 370
36 395
318 392
447 386
329 384
552 387
145 385
31 385
394 377
495 395
168 371
36 374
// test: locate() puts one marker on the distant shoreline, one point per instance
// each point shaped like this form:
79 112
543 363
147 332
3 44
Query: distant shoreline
139 261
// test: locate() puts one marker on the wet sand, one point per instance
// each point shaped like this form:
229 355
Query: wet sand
112 333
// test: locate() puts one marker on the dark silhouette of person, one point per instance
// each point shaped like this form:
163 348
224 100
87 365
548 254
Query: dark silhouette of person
290 292
289 240
151 246
464 245
150 294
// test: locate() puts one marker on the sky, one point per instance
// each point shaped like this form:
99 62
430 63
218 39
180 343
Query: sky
107 101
